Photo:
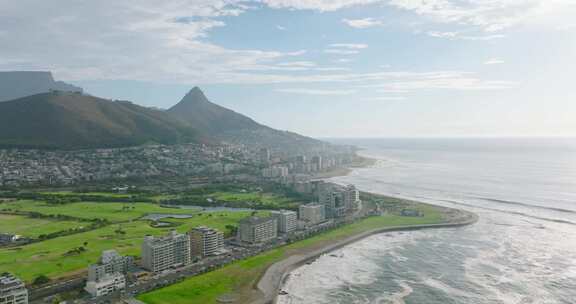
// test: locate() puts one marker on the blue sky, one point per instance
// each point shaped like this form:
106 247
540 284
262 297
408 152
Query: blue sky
325 68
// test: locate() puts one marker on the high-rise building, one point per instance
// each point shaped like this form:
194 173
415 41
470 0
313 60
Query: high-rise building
162 253
12 290
106 285
110 263
205 242
317 163
258 229
265 155
312 213
287 220
352 200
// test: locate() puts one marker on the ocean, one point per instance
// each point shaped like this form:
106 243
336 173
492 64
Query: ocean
522 250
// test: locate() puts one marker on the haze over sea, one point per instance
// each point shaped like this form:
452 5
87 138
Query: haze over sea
523 249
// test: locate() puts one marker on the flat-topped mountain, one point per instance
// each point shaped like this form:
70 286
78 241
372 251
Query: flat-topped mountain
22 83
72 121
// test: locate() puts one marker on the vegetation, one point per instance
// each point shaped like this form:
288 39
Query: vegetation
112 212
34 227
239 278
62 256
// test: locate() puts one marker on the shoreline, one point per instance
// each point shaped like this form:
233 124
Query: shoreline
270 284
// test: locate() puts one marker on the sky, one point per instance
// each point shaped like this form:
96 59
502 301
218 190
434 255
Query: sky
323 68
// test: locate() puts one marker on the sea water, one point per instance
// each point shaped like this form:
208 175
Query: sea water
522 250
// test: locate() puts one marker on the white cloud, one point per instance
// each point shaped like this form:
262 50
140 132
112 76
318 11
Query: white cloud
321 5
386 98
459 36
305 64
362 23
341 52
491 15
305 91
494 61
281 28
355 46
343 60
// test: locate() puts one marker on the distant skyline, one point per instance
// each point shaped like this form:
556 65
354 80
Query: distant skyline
323 68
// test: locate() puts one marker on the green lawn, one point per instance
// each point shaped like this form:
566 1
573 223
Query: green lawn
48 258
114 212
103 194
240 277
32 228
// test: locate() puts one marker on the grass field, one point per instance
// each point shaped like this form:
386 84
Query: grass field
103 194
239 278
32 228
114 212
48 257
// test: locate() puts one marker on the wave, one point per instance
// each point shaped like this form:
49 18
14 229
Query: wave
554 220
507 202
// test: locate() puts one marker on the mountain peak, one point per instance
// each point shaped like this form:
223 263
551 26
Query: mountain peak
195 95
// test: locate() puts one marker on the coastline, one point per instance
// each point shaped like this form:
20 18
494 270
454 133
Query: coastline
270 283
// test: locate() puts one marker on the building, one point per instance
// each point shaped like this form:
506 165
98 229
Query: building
275 172
110 263
317 163
106 285
287 220
162 253
258 229
352 200
205 242
265 155
12 290
313 213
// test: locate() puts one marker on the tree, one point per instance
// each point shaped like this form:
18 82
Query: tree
40 280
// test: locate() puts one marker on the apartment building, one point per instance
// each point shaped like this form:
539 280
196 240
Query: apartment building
258 229
205 242
287 220
12 290
162 253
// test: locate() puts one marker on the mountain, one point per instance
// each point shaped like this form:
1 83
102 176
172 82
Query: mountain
74 121
226 125
21 83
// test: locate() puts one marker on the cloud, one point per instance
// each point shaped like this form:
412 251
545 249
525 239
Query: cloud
305 64
343 60
341 52
386 98
491 15
362 23
320 5
281 28
459 36
305 91
494 61
355 46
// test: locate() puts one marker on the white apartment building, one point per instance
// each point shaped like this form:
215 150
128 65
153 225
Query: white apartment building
111 262
206 241
12 290
258 229
312 213
162 253
106 285
287 220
